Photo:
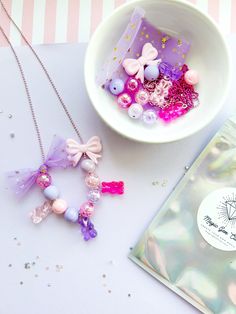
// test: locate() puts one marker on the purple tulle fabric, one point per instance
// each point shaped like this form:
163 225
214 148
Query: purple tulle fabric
20 181
172 50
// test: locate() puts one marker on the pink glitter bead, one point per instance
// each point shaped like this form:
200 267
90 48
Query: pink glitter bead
124 100
44 180
132 85
92 180
142 97
86 209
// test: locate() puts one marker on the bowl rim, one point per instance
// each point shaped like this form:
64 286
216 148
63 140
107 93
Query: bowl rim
191 131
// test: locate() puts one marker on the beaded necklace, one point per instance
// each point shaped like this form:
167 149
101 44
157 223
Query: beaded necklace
62 154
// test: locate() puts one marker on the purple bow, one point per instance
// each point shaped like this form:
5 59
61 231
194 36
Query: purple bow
20 181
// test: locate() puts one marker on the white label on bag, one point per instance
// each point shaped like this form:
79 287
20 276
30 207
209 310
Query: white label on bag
216 219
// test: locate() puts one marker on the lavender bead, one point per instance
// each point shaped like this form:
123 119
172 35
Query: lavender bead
116 86
71 214
88 165
151 73
51 192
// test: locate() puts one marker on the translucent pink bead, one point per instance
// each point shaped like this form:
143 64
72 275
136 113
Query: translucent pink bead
59 206
92 180
41 212
86 209
132 85
124 100
113 187
142 97
44 180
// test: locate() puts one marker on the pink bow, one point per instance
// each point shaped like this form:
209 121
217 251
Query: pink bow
133 66
76 150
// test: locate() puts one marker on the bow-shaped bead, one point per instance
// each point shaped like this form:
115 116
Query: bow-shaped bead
76 150
133 66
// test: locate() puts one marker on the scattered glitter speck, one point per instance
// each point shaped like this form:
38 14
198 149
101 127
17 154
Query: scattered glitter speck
47 268
12 135
109 291
15 238
129 295
164 183
37 257
36 275
33 263
59 268
1 111
186 168
10 116
104 276
18 243
131 248
49 285
9 265
21 282
27 265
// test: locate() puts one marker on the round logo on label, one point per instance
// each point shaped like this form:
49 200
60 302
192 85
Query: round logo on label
216 219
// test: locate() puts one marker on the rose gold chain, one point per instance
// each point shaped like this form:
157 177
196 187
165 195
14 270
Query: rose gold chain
26 85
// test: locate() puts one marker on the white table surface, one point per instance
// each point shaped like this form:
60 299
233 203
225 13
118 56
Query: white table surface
80 287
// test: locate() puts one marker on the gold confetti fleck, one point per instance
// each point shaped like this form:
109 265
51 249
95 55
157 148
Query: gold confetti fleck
114 58
164 39
142 33
127 37
133 25
147 35
115 48
137 54
179 43
163 46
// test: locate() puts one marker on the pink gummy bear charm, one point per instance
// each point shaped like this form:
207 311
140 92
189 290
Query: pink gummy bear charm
113 187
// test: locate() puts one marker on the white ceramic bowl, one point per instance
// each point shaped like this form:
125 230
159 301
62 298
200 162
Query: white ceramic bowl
209 55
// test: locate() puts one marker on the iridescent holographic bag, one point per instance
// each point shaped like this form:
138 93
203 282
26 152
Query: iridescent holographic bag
190 246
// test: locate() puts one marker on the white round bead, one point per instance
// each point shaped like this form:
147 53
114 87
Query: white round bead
88 165
149 117
135 111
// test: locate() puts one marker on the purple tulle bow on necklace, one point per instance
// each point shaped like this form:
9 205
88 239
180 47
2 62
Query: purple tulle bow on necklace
20 181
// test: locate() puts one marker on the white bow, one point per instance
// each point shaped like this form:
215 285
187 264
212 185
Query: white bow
133 66
76 150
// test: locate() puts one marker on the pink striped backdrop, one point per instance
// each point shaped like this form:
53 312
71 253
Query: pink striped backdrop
54 21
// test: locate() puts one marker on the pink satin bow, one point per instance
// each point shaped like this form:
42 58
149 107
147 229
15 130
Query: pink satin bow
133 66
76 150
